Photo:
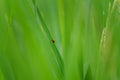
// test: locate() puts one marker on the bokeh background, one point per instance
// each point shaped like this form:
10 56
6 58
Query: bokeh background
86 35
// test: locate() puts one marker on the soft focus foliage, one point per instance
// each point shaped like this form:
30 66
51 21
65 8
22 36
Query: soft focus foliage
86 39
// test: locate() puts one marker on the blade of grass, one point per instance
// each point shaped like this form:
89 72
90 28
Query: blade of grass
57 53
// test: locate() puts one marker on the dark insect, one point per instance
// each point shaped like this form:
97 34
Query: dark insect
53 41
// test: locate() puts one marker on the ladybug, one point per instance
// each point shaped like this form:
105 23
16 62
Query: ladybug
53 41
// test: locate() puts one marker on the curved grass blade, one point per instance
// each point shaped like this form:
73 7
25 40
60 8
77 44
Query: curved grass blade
59 59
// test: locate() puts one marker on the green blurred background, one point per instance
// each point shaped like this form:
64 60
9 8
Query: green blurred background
59 39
